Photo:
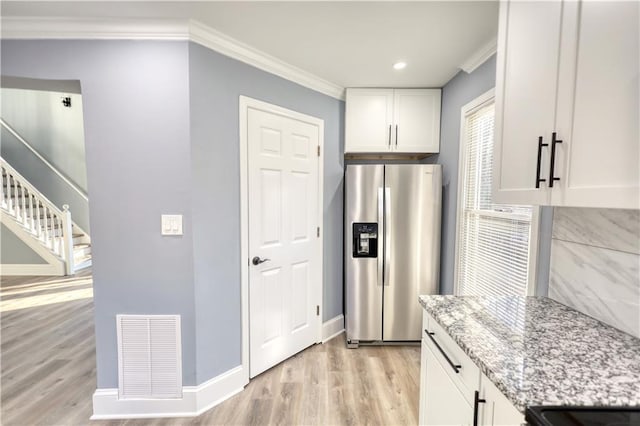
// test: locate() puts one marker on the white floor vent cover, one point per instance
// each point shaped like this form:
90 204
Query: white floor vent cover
149 356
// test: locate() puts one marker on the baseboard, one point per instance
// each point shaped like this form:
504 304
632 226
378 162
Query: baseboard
220 388
195 399
332 328
43 269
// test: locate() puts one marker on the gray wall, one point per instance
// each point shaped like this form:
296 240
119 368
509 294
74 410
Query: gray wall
147 106
14 252
44 179
52 129
136 116
216 82
544 251
460 90
55 132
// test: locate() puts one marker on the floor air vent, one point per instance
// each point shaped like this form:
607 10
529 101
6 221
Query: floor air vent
149 356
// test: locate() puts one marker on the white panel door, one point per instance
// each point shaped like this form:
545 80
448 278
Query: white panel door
599 118
417 120
368 117
283 218
526 74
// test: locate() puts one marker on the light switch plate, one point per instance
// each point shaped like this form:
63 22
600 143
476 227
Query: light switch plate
171 224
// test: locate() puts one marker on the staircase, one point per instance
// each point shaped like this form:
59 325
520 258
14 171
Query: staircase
42 225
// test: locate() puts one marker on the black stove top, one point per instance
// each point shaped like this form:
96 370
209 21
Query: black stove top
583 416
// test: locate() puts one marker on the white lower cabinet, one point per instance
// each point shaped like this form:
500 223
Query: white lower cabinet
448 397
497 409
441 402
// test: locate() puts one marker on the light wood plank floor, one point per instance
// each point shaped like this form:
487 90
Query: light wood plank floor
48 371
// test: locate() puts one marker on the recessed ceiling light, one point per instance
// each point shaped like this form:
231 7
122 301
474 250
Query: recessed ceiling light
399 65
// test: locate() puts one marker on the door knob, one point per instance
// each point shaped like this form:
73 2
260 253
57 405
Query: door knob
256 260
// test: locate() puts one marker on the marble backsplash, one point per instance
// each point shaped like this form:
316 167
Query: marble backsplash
595 259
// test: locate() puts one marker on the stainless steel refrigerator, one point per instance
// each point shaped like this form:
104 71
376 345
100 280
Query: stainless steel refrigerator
392 249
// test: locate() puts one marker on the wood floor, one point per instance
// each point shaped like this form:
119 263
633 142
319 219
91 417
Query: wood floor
48 371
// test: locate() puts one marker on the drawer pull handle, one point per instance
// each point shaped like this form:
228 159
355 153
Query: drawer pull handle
554 142
476 402
455 367
396 135
540 145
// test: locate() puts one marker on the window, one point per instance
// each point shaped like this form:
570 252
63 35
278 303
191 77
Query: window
493 249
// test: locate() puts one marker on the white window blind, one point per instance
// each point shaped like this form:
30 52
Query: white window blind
493 239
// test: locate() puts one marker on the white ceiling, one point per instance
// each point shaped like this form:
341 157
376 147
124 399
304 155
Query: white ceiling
350 44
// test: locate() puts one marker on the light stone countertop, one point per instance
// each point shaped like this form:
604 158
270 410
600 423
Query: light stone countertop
540 352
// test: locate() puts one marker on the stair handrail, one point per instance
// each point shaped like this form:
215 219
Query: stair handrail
22 140
23 211
24 182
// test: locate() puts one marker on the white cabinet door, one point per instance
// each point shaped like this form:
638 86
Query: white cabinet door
416 115
422 402
497 409
569 68
442 402
598 161
387 121
527 67
368 120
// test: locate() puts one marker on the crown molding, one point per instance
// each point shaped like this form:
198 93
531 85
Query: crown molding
38 28
480 56
222 43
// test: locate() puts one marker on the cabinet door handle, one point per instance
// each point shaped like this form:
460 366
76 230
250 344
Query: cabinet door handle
455 367
476 402
540 145
554 141
389 135
396 135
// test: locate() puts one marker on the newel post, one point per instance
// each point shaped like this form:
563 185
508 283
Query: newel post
67 235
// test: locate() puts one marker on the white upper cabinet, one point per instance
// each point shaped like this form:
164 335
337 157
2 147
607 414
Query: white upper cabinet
568 72
598 112
369 120
416 114
383 121
529 39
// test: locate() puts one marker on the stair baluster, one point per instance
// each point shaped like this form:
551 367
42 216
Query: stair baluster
10 199
67 229
31 221
39 220
24 204
37 215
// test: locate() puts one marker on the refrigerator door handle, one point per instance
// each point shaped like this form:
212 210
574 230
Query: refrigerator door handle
381 234
387 229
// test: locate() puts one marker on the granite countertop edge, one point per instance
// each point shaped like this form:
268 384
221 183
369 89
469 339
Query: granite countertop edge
522 399
517 402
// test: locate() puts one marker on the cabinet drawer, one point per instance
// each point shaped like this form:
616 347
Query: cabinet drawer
443 403
467 377
425 323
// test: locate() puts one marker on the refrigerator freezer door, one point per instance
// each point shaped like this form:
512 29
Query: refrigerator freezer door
412 249
363 275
